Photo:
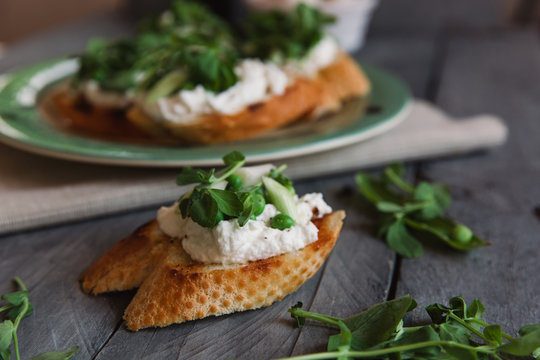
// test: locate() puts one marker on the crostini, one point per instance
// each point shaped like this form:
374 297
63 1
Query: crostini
239 240
190 76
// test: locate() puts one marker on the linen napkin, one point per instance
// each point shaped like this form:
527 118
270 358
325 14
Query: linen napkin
37 191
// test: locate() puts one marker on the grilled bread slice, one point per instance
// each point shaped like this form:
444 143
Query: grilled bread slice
173 288
306 98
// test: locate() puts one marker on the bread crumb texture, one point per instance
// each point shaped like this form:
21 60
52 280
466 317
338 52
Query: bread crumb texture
173 288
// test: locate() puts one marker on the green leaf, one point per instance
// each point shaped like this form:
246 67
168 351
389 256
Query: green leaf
5 355
476 309
57 355
399 239
413 335
14 312
184 206
528 329
233 157
395 168
374 190
524 345
191 176
452 331
277 35
388 207
6 335
494 334
16 298
227 202
437 199
459 306
385 222
393 174
248 209
442 195
204 209
437 313
375 324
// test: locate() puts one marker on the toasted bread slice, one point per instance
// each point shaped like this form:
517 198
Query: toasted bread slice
305 98
174 288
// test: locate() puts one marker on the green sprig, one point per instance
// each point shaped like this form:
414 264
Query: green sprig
18 308
410 213
379 333
207 205
277 35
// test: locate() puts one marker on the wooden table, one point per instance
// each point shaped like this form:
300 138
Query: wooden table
464 57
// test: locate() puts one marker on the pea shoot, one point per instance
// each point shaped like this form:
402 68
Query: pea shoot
207 204
409 213
457 332
18 308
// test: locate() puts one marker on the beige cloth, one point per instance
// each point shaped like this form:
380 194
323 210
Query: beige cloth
37 191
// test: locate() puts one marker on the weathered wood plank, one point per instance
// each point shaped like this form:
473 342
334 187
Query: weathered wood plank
408 56
358 273
495 193
49 261
432 16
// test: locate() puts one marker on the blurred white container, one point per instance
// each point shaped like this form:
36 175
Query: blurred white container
352 16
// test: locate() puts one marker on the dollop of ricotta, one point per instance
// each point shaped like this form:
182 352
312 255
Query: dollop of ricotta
102 98
229 243
320 56
257 81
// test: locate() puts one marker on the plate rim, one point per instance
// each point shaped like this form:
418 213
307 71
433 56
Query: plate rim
312 147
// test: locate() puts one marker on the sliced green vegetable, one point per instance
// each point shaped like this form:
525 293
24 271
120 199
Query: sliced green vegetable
281 197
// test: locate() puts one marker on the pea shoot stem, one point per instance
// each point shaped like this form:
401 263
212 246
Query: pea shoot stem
485 324
22 313
19 283
396 349
7 307
398 181
468 326
327 319
229 171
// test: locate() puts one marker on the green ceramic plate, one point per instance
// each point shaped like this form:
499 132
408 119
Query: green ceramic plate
21 126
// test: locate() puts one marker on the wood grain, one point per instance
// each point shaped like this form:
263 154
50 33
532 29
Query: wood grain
478 70
49 262
495 193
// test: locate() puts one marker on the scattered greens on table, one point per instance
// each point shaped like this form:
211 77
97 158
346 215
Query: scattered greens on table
18 308
208 205
408 213
188 45
457 332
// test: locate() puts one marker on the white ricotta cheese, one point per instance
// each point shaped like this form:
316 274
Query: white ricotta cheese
320 56
229 243
257 81
251 175
109 99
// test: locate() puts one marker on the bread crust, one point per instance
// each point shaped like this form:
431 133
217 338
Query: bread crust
174 288
305 98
